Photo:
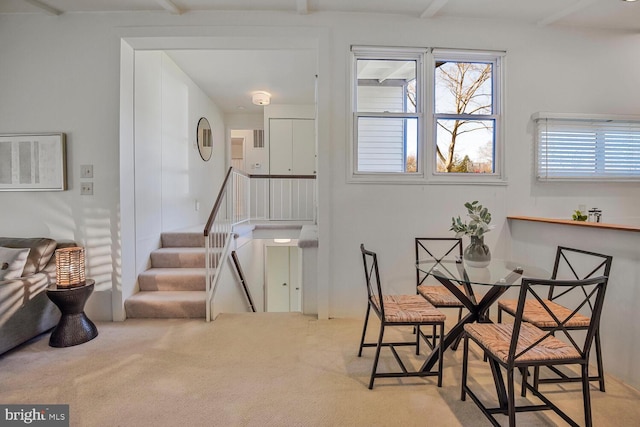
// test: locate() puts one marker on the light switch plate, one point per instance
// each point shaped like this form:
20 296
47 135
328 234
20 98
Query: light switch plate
86 188
86 171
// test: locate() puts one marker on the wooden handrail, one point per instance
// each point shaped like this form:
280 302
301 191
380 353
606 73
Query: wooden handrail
243 282
216 205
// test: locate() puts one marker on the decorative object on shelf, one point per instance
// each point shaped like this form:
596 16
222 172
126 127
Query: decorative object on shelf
477 254
70 267
578 215
595 215
204 139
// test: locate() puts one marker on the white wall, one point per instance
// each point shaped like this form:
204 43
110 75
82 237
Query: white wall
62 74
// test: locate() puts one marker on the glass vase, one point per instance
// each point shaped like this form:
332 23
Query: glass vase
477 254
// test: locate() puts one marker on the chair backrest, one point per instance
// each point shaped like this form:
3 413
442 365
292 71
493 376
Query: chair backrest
437 249
372 280
577 264
586 292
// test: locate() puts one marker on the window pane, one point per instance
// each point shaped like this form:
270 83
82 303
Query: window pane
386 86
465 146
463 88
387 144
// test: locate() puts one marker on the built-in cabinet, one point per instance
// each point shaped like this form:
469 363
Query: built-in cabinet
292 147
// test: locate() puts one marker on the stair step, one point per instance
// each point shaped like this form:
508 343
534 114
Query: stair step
173 279
166 304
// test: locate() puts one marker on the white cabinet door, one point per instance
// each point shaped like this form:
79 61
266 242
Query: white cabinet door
292 147
304 147
280 138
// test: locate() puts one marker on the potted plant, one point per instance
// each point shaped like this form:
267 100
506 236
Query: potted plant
477 254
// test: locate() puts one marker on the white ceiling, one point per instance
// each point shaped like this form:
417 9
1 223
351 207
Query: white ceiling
289 74
231 76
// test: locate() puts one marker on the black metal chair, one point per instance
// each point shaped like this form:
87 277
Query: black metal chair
521 345
438 249
396 310
569 264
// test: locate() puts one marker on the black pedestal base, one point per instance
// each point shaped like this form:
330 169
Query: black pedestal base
72 330
74 326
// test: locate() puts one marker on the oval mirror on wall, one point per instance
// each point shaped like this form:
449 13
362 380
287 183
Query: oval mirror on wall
205 139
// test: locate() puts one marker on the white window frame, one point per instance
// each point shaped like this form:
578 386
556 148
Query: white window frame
425 114
591 145
462 55
383 53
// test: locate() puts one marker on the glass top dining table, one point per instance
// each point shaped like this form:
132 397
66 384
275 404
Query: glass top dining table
496 278
499 272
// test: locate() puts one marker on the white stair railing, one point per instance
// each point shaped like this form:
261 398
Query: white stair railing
283 197
231 208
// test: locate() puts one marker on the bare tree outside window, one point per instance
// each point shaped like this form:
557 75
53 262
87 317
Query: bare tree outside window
463 106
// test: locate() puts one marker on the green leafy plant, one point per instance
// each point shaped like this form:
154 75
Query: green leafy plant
479 224
578 216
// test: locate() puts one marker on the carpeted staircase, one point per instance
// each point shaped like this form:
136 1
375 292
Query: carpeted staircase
174 286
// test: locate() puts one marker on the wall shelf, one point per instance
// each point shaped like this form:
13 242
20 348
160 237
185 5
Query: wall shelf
576 223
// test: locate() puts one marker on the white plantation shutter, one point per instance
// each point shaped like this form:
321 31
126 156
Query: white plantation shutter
574 147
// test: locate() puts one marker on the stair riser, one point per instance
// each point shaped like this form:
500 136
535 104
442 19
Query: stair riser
188 240
168 282
178 309
178 260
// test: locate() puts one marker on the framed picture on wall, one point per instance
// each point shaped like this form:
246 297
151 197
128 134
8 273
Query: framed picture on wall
33 162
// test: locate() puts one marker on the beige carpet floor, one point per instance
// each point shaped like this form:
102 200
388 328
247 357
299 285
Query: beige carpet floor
260 370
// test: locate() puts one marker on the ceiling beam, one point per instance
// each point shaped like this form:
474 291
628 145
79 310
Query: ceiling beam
44 7
433 8
302 6
564 12
169 6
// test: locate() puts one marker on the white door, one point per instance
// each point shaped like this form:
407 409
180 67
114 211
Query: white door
283 279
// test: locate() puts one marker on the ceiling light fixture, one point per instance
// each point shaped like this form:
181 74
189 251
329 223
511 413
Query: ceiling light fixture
261 98
282 240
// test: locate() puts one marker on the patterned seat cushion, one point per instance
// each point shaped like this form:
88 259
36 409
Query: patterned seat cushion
440 296
409 309
535 314
496 338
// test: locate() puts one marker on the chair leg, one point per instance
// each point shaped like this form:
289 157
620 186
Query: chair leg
599 360
525 373
433 337
536 377
417 329
375 360
586 395
440 355
465 357
499 315
511 399
364 330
